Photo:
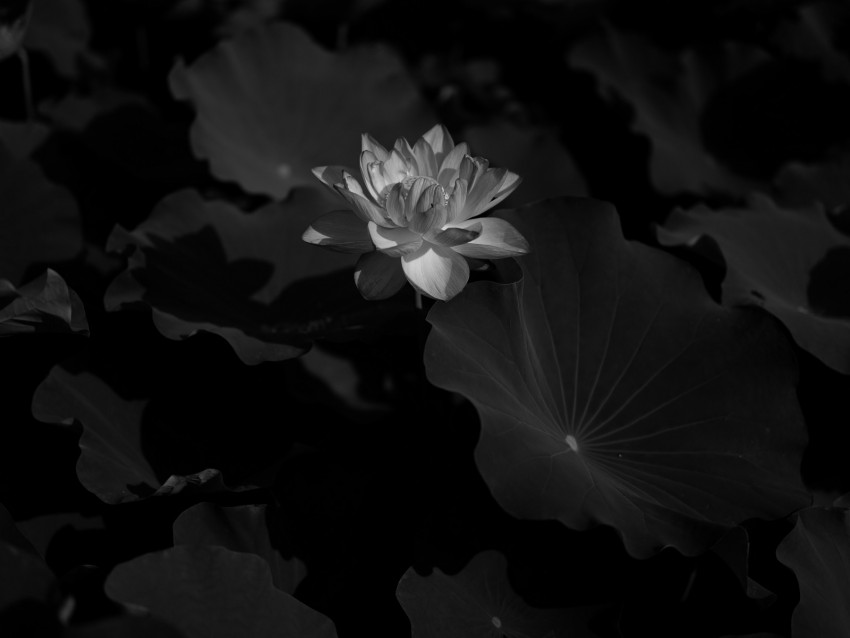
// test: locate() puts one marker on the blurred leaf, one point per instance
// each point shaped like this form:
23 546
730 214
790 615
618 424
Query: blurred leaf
75 111
479 602
45 304
25 576
272 105
668 94
38 222
546 169
245 528
791 262
818 552
612 389
20 139
11 535
41 530
343 380
247 277
812 36
212 591
112 464
827 183
60 29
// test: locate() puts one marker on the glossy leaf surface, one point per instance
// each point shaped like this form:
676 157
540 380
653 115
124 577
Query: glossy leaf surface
612 389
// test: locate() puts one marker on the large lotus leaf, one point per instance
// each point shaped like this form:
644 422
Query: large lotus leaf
272 104
479 602
209 266
112 464
245 528
612 389
784 260
544 165
212 591
38 220
668 94
45 304
818 551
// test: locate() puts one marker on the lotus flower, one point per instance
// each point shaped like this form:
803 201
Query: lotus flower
412 216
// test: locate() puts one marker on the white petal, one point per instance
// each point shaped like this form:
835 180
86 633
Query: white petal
450 166
378 276
396 168
368 159
330 175
440 140
429 221
402 146
364 208
457 201
471 168
340 230
436 271
369 143
352 185
395 205
451 237
512 180
482 192
425 159
393 242
496 239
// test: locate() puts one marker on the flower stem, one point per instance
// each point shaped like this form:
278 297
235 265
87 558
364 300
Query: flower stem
418 300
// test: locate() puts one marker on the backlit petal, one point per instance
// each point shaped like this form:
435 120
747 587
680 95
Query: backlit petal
422 194
402 146
482 192
450 166
393 242
436 271
429 221
395 205
378 276
471 168
330 175
457 201
453 237
439 138
425 159
512 180
496 239
365 209
369 143
340 230
396 168
376 179
351 184
367 159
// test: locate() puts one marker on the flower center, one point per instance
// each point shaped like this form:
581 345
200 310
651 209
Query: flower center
419 185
